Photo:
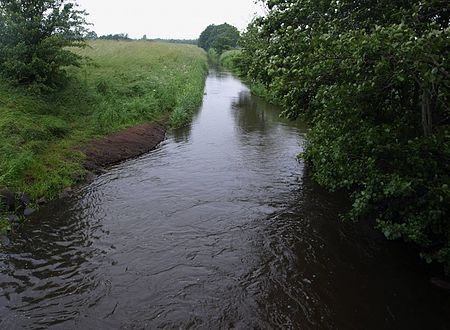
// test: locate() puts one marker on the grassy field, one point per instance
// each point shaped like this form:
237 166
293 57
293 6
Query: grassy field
123 84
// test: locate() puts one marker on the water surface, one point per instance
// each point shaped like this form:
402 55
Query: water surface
218 228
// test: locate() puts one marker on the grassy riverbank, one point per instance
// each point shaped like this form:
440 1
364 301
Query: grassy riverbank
123 84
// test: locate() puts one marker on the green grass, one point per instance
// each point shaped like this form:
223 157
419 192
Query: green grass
124 84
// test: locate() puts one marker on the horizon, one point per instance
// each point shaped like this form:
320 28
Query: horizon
161 21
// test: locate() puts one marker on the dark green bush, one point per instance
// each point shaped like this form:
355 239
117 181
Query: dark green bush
35 37
373 80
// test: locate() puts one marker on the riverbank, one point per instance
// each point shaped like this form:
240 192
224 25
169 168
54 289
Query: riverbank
121 85
123 145
377 109
224 216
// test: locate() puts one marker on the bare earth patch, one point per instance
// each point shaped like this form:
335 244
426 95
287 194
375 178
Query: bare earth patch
117 147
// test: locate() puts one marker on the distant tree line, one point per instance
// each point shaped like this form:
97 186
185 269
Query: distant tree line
124 36
219 37
119 36
178 41
372 78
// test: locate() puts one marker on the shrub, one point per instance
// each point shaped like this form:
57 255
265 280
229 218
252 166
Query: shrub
372 78
35 37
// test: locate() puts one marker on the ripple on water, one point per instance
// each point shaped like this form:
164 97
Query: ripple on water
220 227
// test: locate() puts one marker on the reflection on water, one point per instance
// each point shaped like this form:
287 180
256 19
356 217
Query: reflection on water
220 227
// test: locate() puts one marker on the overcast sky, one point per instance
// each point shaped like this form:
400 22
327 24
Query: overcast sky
177 19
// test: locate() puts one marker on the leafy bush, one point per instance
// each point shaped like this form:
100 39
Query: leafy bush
34 40
373 79
230 60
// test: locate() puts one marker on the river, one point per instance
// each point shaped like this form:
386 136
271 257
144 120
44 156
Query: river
220 227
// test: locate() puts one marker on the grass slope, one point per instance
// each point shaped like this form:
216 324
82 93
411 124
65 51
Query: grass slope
124 84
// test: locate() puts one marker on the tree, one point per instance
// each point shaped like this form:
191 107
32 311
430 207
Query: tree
219 37
35 40
92 35
373 79
205 36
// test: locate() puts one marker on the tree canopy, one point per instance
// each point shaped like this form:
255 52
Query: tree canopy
219 37
373 80
35 36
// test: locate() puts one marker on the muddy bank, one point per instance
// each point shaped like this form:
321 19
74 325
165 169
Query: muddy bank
100 153
120 146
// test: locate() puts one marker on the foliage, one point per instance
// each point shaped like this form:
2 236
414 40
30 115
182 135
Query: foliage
91 35
35 37
373 79
126 83
119 36
219 37
213 56
178 41
230 60
5 226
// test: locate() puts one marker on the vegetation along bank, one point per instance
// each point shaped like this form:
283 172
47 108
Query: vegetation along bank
120 84
372 79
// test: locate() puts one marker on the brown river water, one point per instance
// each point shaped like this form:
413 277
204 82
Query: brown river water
220 227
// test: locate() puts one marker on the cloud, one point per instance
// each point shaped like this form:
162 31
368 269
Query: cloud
178 19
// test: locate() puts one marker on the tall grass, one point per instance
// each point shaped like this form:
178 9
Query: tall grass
140 81
123 84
